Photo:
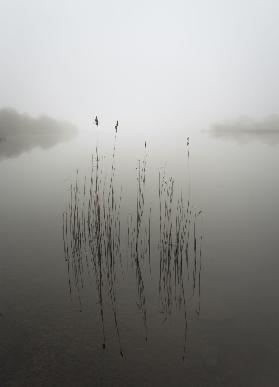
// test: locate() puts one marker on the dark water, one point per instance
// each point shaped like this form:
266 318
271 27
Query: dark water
211 323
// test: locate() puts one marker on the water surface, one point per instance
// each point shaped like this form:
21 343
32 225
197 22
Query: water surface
49 337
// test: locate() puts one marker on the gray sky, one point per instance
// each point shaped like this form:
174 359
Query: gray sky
179 63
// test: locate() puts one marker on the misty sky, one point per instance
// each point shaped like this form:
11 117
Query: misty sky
168 64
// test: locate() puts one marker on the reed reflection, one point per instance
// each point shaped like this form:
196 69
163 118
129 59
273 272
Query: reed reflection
160 243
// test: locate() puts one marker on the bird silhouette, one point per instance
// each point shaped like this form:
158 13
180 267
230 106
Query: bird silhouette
96 121
145 144
116 126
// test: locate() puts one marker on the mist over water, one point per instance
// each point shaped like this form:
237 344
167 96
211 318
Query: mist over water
245 130
20 133
142 251
231 316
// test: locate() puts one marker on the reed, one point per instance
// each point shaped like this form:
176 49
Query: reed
94 242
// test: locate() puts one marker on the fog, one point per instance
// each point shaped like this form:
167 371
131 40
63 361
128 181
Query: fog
20 133
245 129
165 65
144 253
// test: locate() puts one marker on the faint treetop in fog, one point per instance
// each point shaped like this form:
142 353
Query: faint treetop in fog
244 130
20 132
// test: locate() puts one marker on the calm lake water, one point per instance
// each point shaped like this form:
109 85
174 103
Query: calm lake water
51 337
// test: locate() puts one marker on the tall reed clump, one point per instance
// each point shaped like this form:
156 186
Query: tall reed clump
93 242
180 253
139 240
91 233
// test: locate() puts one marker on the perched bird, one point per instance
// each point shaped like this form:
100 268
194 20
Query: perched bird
96 121
116 126
145 144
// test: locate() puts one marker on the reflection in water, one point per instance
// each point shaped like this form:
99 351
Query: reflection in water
92 235
166 248
20 133
139 241
180 251
245 130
